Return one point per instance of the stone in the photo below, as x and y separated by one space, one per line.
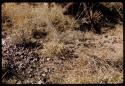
62 57
19 82
45 70
43 74
48 59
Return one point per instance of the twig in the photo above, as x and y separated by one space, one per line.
5 74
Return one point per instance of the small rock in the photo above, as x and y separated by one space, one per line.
39 82
3 42
48 59
21 56
30 75
45 70
43 74
62 57
19 82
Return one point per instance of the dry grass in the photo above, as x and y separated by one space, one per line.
35 18
52 48
99 57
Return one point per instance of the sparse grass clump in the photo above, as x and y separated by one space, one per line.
51 49
60 21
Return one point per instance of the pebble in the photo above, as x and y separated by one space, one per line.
48 59
39 82
45 70
21 56
3 42
43 74
62 57
19 82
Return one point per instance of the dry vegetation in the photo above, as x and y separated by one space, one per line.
41 45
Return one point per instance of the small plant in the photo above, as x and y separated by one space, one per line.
52 48
95 15
59 21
